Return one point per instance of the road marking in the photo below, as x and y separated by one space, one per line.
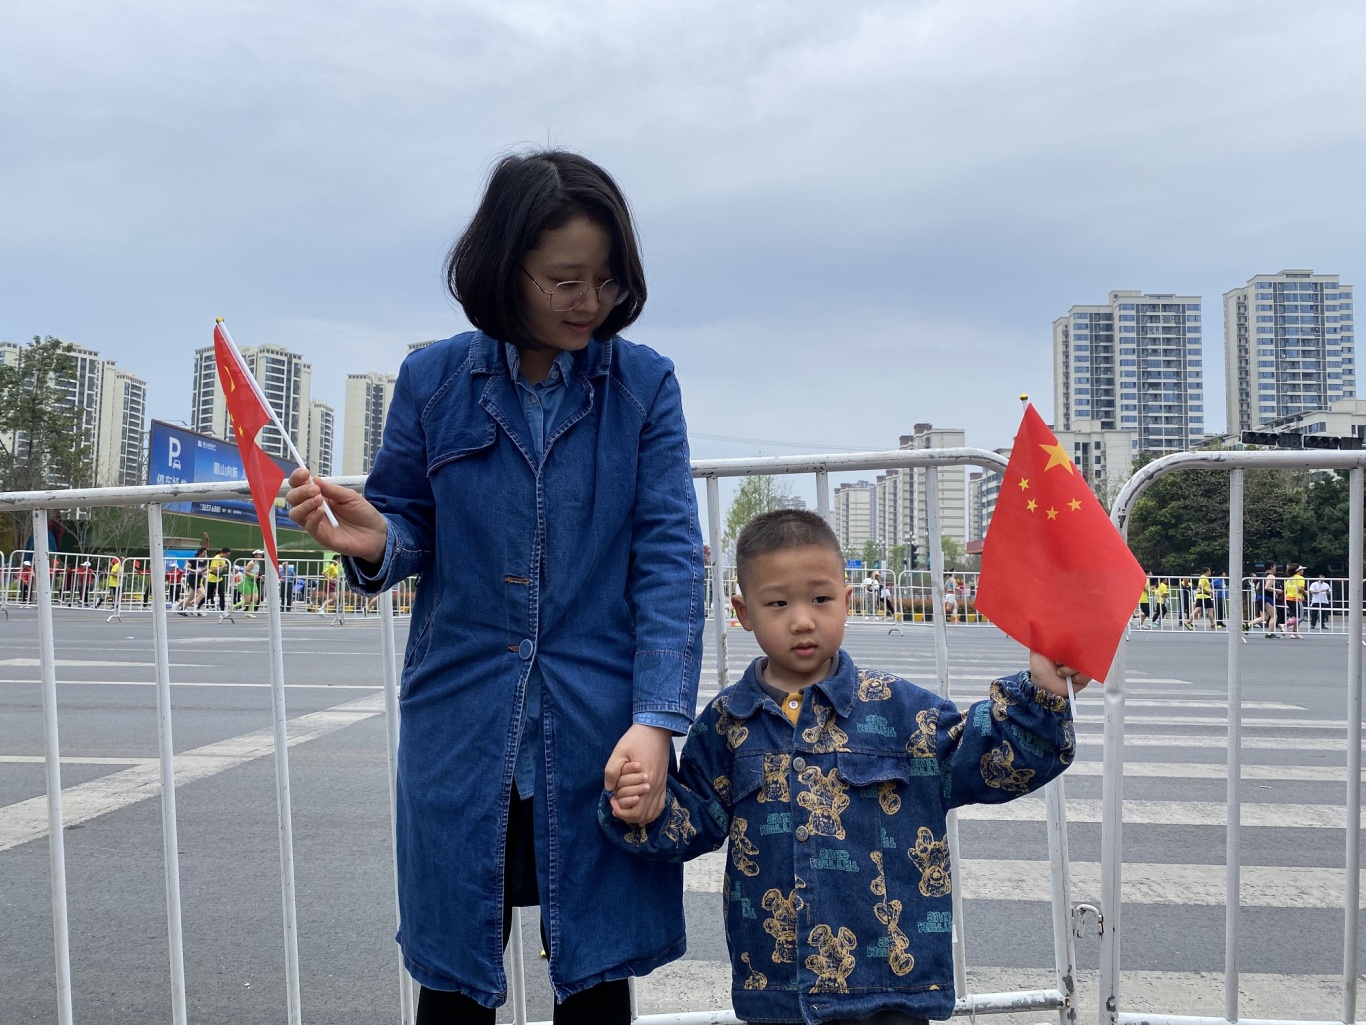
699 985
1209 720
27 820
982 879
1168 813
74 760
1220 742
198 683
1216 770
75 663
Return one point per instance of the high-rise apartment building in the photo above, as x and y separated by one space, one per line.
953 520
366 410
855 516
1135 363
984 489
321 431
1105 458
1289 346
120 431
285 380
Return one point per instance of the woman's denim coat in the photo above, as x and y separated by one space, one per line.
588 564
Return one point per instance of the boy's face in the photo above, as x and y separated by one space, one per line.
795 601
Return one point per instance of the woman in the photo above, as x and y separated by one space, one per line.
535 473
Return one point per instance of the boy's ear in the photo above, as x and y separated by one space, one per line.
737 602
848 597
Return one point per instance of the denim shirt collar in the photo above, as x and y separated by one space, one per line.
486 357
838 688
564 363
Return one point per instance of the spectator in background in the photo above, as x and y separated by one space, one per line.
1320 594
287 579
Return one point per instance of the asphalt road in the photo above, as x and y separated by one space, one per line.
1293 792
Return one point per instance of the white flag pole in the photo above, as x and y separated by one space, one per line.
256 387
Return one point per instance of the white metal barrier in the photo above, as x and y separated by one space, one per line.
1235 464
1060 998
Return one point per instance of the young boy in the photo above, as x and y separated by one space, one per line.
832 784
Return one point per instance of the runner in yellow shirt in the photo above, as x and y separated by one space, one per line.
1204 599
215 580
331 581
1294 599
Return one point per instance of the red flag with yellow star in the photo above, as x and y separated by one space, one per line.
1056 574
249 412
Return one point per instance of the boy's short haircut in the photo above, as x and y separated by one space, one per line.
779 530
527 195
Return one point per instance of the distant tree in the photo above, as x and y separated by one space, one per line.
896 559
869 554
40 429
756 495
953 552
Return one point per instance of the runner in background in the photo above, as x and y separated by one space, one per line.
192 603
217 578
331 575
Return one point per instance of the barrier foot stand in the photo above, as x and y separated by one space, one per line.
226 617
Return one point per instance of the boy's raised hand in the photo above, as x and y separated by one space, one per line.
1053 677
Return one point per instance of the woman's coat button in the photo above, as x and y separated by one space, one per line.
526 649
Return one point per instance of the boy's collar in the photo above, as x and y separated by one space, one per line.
838 688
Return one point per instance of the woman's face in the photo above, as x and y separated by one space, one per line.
578 251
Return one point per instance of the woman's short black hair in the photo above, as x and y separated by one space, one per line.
527 195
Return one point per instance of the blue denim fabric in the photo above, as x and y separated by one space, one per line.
837 890
585 561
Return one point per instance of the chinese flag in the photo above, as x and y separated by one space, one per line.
249 415
1056 575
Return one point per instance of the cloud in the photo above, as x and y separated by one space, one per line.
855 217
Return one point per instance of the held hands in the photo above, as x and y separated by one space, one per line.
636 772
1052 677
361 531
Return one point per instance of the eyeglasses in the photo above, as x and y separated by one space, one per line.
569 295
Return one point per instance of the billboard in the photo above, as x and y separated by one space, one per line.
179 456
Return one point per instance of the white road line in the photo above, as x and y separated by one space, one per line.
1168 813
198 683
27 820
982 879
1220 742
697 984
1209 720
75 663
1217 770
74 760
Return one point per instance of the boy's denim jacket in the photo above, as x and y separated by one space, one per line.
837 888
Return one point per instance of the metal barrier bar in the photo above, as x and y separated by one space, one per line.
1111 801
1234 828
389 649
47 658
718 597
170 839
935 528
282 799
1060 893
1111 834
1352 896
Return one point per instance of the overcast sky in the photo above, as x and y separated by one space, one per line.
856 216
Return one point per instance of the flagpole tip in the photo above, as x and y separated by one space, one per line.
1024 396
218 320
